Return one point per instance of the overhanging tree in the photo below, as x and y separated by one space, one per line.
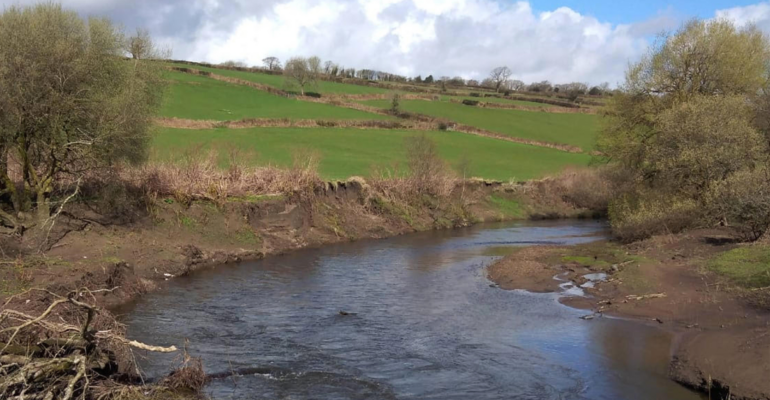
70 104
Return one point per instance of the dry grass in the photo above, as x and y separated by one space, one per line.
573 192
201 179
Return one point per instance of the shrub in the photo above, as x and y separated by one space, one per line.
742 201
395 104
474 94
313 94
442 126
637 216
590 189
470 102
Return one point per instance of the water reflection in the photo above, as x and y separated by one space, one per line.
423 324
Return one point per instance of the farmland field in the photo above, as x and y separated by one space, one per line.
197 97
349 152
278 81
573 129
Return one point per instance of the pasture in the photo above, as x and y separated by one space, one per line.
348 152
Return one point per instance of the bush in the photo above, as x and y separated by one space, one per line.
637 216
474 94
470 102
442 126
313 94
742 201
589 189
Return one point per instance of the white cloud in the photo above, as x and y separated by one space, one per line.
457 37
410 37
757 14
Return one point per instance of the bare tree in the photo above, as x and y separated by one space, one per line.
517 85
499 76
272 63
328 67
142 47
301 72
314 65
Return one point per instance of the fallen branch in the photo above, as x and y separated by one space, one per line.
646 296
69 356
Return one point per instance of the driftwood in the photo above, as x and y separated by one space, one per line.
62 351
646 296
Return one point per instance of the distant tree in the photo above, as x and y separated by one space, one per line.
142 47
457 81
233 64
595 91
300 72
543 86
604 87
418 79
314 66
472 82
429 79
517 85
272 63
500 75
328 66
70 105
488 83
395 103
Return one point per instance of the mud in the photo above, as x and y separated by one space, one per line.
722 339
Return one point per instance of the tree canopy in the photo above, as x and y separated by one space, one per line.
70 103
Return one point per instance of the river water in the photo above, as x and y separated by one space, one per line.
423 323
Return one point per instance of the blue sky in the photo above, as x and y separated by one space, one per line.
629 11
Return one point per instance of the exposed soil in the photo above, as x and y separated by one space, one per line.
722 341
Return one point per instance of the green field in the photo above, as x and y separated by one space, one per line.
349 152
197 97
278 81
573 129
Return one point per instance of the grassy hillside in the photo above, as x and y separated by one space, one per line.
348 152
277 81
197 97
573 129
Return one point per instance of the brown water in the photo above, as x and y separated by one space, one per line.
424 324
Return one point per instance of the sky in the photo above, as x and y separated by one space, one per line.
557 40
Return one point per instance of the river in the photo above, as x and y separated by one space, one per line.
423 323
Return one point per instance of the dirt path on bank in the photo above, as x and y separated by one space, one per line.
722 343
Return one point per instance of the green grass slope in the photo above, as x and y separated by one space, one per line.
197 97
278 81
349 152
573 129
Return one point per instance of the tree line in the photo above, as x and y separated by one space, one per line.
499 78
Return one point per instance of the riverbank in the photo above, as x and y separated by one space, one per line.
171 238
670 282
143 242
